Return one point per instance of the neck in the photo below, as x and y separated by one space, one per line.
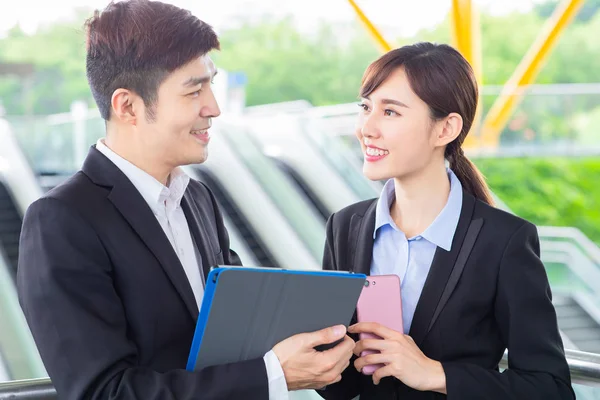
125 146
419 199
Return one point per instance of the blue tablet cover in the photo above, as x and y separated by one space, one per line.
246 311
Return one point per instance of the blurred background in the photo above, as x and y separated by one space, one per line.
283 154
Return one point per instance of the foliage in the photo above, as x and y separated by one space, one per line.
58 55
282 63
548 191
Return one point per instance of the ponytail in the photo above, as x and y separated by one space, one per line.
469 176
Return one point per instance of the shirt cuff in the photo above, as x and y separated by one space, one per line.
278 389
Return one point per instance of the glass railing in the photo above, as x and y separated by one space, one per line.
57 143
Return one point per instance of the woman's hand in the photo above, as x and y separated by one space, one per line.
401 356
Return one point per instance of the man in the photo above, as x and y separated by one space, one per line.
112 262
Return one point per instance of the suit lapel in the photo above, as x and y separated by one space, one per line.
134 209
197 228
439 273
360 240
461 261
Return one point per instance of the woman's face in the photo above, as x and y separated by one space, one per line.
397 134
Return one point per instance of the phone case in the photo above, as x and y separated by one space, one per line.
380 301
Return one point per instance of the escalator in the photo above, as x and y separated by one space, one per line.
10 228
303 186
248 234
282 140
19 357
267 210
577 322
339 157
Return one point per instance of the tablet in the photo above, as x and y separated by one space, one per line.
246 311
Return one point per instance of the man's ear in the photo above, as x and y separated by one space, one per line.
123 109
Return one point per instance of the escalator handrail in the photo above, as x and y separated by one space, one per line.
17 172
18 351
574 235
577 261
284 194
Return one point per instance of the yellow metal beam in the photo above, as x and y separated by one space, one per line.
466 38
527 72
379 39
466 33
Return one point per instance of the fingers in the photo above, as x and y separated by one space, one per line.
372 359
374 327
342 351
341 363
382 373
324 336
372 344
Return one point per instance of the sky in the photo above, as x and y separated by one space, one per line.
395 17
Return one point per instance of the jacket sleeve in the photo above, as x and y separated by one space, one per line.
537 368
78 322
349 387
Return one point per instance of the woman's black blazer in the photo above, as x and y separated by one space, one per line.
488 293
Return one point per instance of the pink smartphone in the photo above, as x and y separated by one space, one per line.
380 301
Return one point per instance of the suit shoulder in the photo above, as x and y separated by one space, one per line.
360 208
72 188
502 220
201 193
76 194
199 187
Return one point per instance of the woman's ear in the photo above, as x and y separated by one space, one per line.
449 129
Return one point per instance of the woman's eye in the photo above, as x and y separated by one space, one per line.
390 113
364 106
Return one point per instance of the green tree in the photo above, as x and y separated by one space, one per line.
283 64
58 54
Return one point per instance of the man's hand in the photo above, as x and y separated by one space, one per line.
306 368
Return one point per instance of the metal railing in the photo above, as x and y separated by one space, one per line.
584 367
28 389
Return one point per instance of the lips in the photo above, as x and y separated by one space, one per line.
202 135
373 154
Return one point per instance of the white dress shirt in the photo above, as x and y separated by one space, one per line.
165 203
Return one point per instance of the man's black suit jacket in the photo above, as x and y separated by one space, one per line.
107 299
488 293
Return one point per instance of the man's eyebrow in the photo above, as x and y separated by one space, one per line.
197 80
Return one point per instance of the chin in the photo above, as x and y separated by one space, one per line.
375 174
196 158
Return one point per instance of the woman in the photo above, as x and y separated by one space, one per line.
472 282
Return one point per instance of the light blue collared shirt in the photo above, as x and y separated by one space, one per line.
411 258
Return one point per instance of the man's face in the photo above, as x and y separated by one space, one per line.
182 115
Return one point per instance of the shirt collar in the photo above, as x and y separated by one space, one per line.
442 229
154 193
